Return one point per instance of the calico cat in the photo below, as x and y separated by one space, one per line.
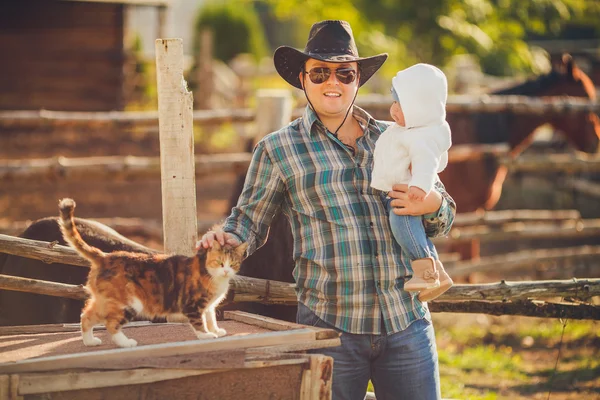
123 285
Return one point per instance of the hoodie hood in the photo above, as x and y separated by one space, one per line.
422 90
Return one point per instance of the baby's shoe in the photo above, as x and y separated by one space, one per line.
445 284
425 275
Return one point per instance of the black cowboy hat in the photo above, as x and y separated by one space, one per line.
329 41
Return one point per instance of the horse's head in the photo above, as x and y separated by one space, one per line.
565 79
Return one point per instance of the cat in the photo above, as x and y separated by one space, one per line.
123 285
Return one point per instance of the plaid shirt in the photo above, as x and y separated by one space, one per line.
348 268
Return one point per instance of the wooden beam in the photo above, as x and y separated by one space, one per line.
113 167
506 216
525 260
527 308
526 230
176 127
43 251
92 359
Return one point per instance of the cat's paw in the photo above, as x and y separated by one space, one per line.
93 341
128 343
206 335
220 332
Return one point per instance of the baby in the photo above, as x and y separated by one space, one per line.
412 151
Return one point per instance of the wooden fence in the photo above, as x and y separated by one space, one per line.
504 298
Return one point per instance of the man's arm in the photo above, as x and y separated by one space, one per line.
261 198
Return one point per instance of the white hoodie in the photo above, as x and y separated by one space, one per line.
424 142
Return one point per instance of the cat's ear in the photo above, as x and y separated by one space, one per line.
241 249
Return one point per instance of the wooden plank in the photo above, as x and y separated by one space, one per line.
507 216
44 251
275 324
89 360
320 344
59 382
14 388
29 285
4 386
525 260
175 108
69 381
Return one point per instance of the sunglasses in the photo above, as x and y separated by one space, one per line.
319 75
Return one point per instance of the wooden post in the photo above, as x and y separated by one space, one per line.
274 111
204 71
175 121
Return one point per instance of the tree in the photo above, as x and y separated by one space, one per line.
495 31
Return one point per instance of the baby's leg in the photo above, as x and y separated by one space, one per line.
409 232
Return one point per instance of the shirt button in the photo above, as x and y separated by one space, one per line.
358 165
371 224
362 192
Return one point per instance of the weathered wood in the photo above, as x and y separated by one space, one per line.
507 216
527 308
526 230
113 167
579 289
583 186
4 386
44 251
316 381
37 286
137 118
58 382
582 289
497 103
275 324
552 164
38 383
92 359
525 260
274 111
178 183
465 152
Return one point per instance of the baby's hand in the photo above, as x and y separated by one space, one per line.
415 193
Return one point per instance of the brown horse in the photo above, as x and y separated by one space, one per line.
477 184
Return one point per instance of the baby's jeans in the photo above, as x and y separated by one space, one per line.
409 233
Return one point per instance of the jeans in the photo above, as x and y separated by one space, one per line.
409 233
403 365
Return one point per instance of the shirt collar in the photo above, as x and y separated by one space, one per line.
309 119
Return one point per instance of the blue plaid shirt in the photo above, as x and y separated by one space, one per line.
348 268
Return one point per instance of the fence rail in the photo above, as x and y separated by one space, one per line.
133 167
272 292
457 103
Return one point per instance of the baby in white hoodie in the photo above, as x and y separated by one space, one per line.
412 151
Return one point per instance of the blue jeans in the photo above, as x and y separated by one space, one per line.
409 233
403 365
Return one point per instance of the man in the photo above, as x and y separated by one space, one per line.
349 271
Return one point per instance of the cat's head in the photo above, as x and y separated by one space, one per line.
224 261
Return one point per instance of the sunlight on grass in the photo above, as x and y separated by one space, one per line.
499 361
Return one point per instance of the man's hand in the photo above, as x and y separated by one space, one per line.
220 236
403 205
416 193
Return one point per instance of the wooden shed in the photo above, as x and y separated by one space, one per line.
66 55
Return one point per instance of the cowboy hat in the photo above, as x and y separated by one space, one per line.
329 41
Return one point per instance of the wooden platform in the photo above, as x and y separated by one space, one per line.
257 359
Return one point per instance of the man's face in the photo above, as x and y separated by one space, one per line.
332 97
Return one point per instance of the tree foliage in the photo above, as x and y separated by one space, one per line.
237 27
494 31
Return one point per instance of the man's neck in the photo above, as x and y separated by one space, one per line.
334 124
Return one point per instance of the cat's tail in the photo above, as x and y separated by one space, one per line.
71 234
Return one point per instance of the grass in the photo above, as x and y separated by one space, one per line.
488 358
